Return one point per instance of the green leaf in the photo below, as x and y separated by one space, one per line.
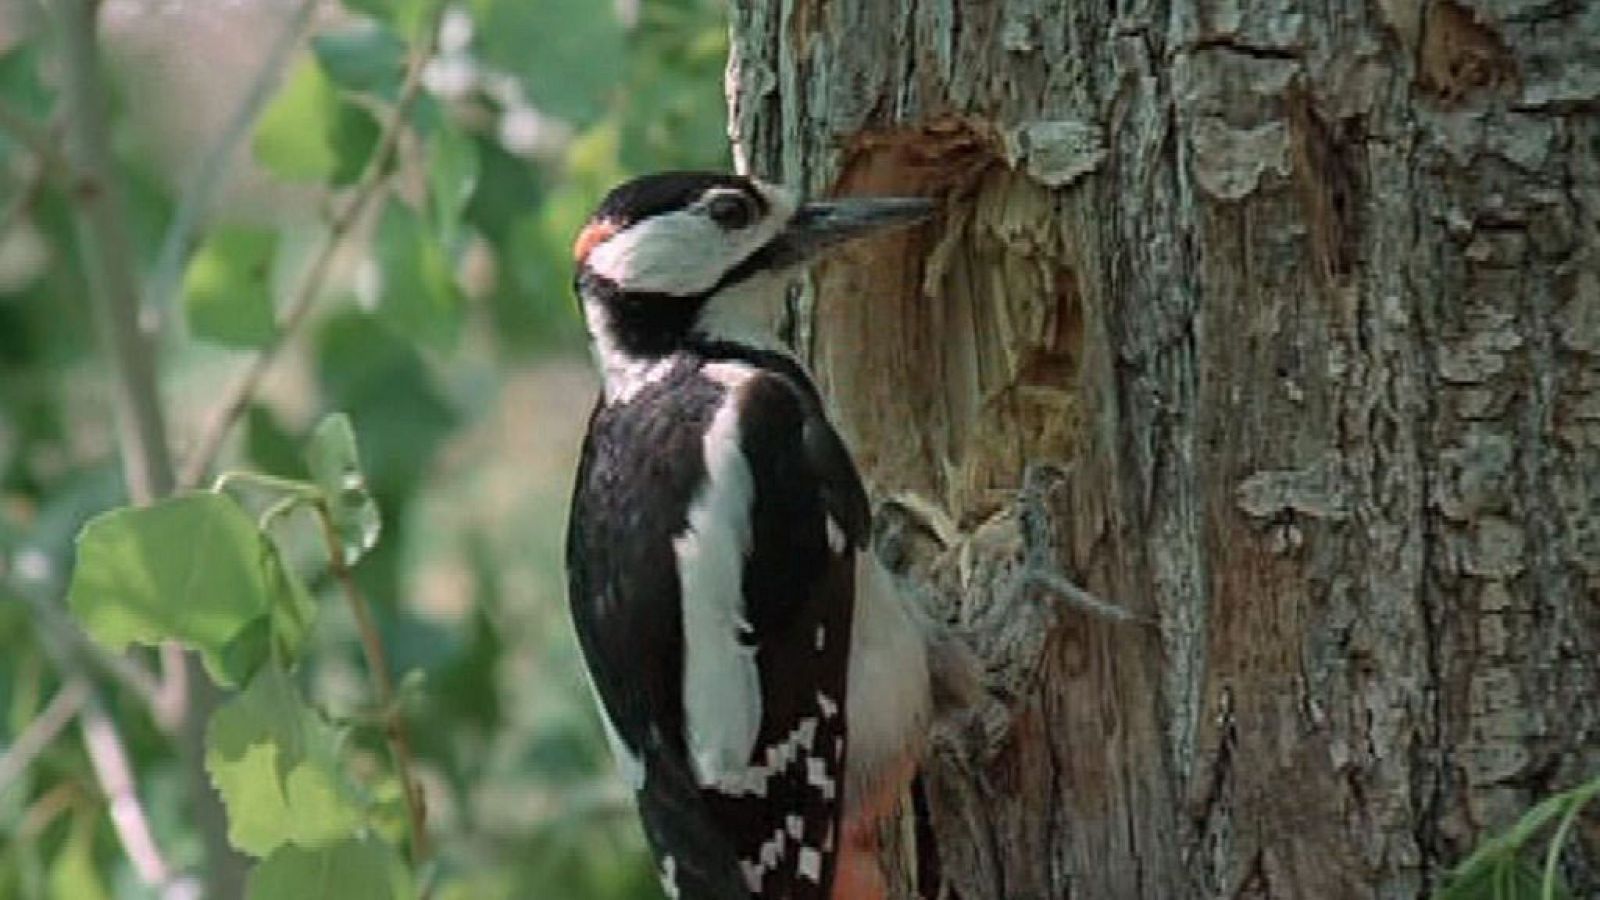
418 296
270 447
335 465
580 58
1496 870
275 761
227 292
1577 798
368 57
355 869
1535 819
1505 877
507 191
311 133
193 568
532 303
392 396
452 178
673 114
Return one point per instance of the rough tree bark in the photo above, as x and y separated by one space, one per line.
1293 309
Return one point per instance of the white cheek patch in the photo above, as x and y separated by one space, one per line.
679 253
683 253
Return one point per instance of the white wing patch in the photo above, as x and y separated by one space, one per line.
721 684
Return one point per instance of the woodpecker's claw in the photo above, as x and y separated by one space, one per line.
993 595
1051 582
917 540
1040 567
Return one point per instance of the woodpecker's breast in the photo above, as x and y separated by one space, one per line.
715 610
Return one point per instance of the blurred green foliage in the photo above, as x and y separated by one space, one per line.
431 337
1500 868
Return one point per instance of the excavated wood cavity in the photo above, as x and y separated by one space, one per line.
983 361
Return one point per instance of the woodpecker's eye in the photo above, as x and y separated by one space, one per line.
731 211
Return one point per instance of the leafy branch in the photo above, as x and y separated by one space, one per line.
272 618
202 189
310 287
348 522
198 569
394 725
108 258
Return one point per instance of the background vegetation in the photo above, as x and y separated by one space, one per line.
362 210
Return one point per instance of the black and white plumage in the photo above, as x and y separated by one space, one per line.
756 674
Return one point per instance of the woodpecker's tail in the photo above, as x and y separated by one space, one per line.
693 859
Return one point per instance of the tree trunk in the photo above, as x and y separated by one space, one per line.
1292 311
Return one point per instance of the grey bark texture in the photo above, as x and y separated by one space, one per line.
1276 323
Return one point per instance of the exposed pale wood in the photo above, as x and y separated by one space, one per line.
1305 301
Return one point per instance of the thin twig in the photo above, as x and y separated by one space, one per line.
77 652
41 813
109 758
277 484
383 687
109 260
110 761
43 730
309 289
198 193
173 705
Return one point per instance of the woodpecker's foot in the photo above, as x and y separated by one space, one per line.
910 533
993 595
914 537
1040 569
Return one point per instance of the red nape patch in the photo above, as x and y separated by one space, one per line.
592 235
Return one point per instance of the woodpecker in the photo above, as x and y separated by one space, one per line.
763 685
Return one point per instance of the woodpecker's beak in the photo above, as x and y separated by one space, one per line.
825 223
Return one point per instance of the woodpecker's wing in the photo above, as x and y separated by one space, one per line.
710 560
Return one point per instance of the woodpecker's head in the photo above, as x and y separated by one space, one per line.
675 256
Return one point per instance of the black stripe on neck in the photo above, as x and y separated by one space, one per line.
644 325
760 357
652 324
